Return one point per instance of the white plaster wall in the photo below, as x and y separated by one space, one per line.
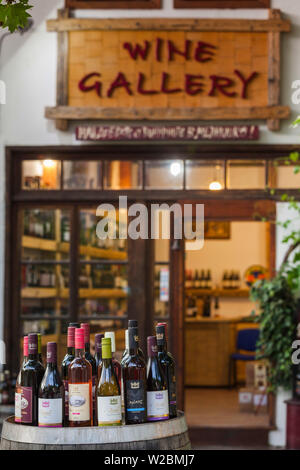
28 67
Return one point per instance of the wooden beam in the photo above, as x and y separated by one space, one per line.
168 24
62 71
274 70
108 4
204 114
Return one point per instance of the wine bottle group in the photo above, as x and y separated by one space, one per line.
96 390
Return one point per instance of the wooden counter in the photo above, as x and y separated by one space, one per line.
209 342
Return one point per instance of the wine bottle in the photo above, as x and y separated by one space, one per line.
31 377
134 382
40 348
51 393
126 350
134 324
89 357
80 386
18 393
116 364
108 391
167 362
157 389
98 353
65 369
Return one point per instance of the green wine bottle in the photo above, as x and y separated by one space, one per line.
108 391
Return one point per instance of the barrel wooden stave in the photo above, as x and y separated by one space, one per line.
173 435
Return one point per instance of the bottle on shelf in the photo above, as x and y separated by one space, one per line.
157 389
18 393
51 393
31 376
206 307
225 280
202 279
98 353
115 362
80 386
209 280
134 382
191 309
90 358
69 357
108 391
197 280
167 363
238 280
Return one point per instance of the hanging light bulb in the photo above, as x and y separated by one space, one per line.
48 163
175 168
215 185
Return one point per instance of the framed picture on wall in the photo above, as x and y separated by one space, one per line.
216 230
222 3
113 4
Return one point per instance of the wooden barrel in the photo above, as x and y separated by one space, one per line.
164 435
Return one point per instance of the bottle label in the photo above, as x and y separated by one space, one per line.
50 412
26 404
79 402
109 411
18 410
135 397
66 387
157 405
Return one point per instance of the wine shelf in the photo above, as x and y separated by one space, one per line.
64 247
219 292
47 293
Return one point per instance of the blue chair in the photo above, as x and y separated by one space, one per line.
246 341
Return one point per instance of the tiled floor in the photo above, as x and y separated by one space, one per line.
218 408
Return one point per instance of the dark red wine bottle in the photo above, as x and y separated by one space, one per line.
31 377
157 388
167 362
90 358
134 324
80 386
65 369
51 393
134 382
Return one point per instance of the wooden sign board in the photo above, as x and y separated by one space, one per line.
179 133
162 69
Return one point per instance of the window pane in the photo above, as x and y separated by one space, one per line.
41 174
95 247
122 175
204 174
282 176
246 174
43 232
166 174
81 175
